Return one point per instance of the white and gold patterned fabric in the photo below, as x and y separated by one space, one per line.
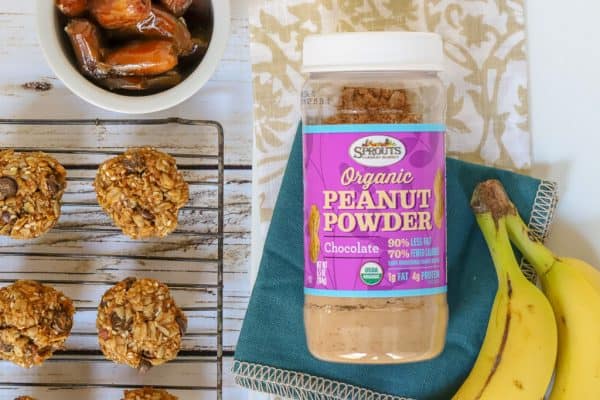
486 76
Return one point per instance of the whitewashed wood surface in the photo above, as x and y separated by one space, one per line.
227 98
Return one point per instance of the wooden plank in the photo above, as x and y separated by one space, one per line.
44 251
80 370
109 270
52 393
229 393
176 247
99 140
55 380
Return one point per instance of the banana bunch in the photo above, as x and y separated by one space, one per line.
519 350
520 364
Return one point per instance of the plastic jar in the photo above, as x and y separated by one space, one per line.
374 178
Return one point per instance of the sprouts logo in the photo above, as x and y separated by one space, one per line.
377 151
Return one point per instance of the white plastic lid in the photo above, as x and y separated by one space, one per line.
373 51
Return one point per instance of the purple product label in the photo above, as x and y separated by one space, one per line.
374 210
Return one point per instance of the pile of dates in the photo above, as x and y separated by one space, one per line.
131 44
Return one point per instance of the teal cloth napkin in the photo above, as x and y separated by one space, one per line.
272 356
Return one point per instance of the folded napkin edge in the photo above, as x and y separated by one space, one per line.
542 214
543 209
292 384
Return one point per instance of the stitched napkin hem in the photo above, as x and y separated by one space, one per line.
297 385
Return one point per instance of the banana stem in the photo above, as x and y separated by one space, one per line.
496 236
490 197
535 252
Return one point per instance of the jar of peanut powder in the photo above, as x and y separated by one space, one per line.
374 179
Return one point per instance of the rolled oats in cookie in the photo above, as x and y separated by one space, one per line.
139 324
31 188
148 394
35 321
142 191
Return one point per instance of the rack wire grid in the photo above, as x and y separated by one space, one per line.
85 254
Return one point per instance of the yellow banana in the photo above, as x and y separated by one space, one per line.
573 288
519 350
590 273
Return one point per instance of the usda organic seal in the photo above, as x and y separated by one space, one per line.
371 273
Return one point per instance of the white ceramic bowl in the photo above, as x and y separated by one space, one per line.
51 39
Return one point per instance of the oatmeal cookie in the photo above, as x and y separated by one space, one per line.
142 191
148 394
139 324
35 321
31 187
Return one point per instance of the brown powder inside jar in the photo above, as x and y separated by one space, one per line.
410 328
359 105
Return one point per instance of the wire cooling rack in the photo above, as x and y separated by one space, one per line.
85 254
